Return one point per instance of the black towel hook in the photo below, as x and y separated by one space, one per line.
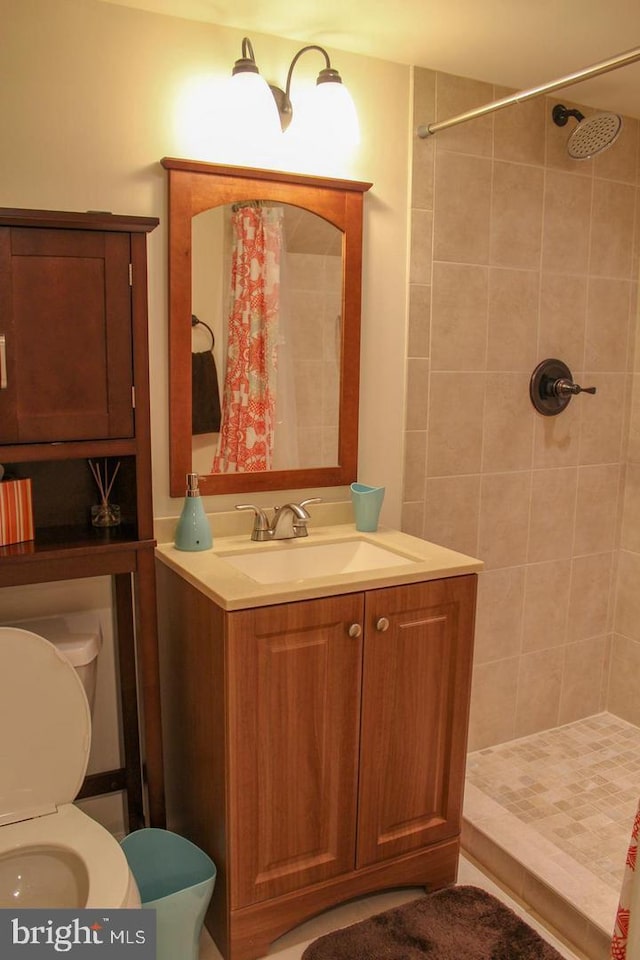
195 322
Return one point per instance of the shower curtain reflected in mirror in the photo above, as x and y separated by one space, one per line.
247 429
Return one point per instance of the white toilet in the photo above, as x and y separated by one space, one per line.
52 855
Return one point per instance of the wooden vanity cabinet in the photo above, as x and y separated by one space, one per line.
315 749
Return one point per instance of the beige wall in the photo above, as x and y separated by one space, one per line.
92 96
89 96
518 254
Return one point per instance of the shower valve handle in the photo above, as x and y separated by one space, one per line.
566 388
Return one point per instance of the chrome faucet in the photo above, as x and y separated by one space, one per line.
289 521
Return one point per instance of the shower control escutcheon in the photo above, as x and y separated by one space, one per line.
551 387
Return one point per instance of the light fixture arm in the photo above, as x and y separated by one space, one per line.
247 63
283 97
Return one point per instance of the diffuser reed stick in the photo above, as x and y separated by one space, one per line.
104 514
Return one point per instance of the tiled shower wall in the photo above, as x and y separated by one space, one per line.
519 253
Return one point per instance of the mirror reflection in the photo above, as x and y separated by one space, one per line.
266 297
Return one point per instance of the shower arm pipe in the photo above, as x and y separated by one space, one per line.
604 66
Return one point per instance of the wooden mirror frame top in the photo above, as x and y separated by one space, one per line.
195 186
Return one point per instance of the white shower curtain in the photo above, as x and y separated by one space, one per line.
625 943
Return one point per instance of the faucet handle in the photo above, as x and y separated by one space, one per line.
261 523
303 503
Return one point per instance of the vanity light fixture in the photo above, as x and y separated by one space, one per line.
330 109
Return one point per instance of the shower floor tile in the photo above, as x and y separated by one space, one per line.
560 804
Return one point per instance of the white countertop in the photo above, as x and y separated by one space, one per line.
208 571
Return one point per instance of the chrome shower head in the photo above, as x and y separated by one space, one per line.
592 135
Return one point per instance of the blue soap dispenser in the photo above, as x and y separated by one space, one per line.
193 531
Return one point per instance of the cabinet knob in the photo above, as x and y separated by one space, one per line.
382 624
355 630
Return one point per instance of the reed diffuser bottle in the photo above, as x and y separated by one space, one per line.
193 531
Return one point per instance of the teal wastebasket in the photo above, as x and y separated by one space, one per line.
176 879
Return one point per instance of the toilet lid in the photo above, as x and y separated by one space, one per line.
45 727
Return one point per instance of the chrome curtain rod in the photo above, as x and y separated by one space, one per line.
613 63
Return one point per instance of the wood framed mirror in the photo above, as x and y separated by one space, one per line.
312 344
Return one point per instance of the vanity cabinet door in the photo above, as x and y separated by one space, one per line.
416 685
65 334
294 676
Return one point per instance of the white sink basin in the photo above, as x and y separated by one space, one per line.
294 561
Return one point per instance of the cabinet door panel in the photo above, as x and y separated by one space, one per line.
416 681
294 699
68 339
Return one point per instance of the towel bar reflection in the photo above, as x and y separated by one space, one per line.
3 362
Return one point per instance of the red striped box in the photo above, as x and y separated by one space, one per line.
16 513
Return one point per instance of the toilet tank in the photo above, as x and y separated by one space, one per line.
78 637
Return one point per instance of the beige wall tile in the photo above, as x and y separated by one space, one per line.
527 262
596 509
608 325
519 133
623 697
462 206
619 162
415 458
612 229
421 246
493 703
499 614
516 215
582 679
539 686
452 511
606 668
553 500
546 604
567 206
602 416
508 423
630 533
459 317
633 446
563 309
456 95
455 423
513 319
424 95
557 439
417 394
412 519
504 514
627 612
589 597
424 111
419 320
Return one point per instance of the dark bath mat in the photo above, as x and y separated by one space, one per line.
458 923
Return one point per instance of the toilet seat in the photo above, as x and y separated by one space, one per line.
45 738
45 727
72 832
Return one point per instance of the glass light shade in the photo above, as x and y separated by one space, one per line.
334 113
250 112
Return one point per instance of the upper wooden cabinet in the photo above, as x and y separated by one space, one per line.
65 327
